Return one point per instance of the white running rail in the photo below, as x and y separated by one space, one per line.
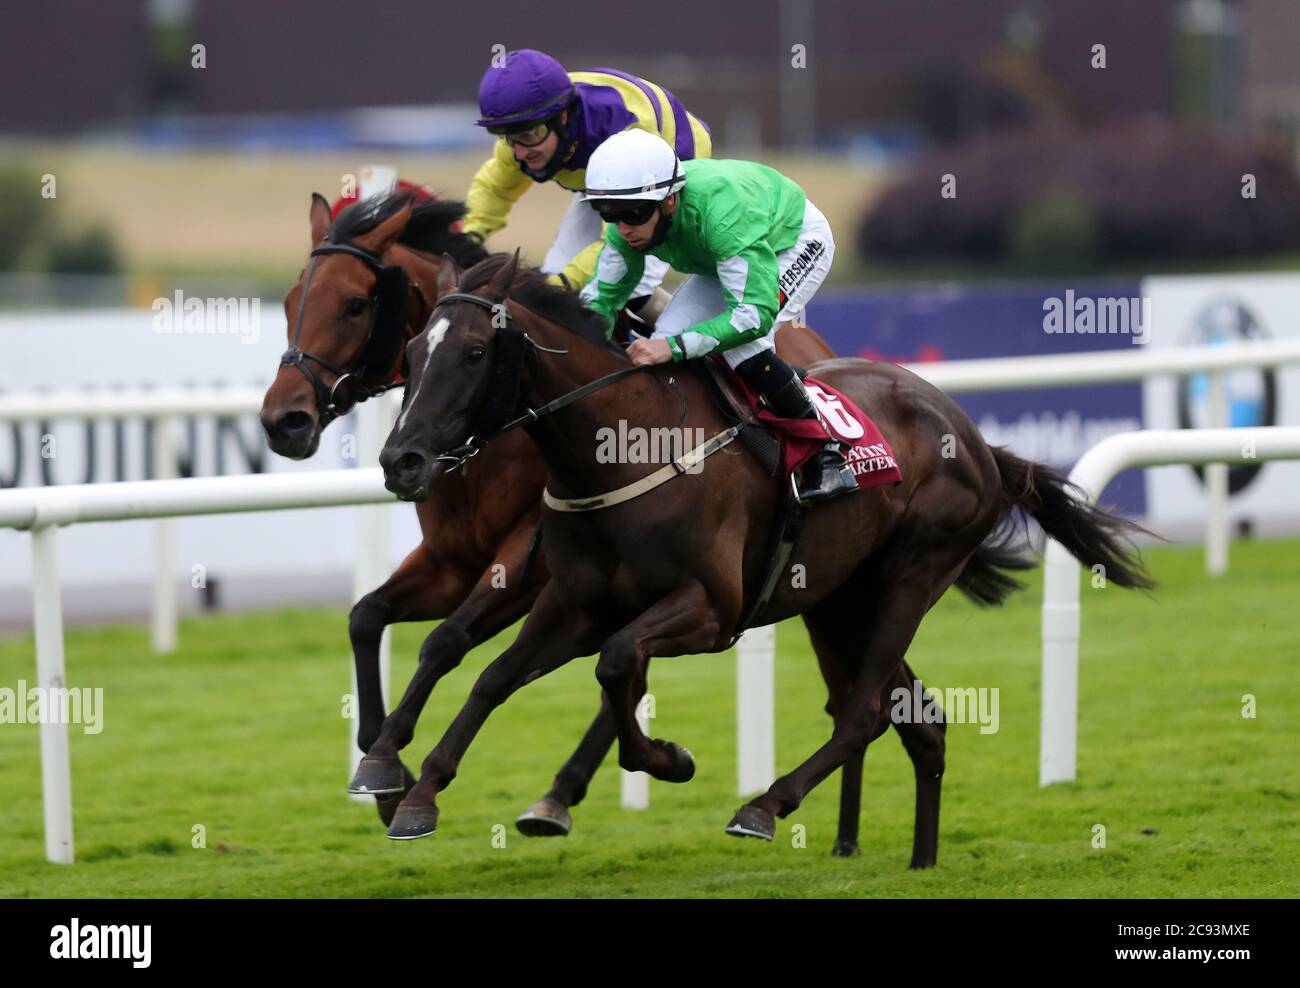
1061 612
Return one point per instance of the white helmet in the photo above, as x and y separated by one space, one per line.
633 164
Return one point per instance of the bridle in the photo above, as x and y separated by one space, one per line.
503 394
378 350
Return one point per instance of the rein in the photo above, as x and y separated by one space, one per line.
387 322
486 431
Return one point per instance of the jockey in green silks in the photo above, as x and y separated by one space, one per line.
756 251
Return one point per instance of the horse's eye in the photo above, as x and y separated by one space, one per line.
356 305
475 353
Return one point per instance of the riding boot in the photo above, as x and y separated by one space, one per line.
827 474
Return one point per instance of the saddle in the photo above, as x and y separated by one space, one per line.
782 446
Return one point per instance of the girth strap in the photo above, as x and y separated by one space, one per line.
788 527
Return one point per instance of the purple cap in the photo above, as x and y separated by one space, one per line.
529 86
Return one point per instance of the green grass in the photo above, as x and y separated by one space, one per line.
240 731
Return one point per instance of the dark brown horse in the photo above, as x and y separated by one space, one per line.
478 524
670 572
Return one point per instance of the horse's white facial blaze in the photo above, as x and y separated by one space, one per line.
433 335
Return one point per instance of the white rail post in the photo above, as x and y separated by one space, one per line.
1216 485
636 785
163 616
373 421
756 710
371 566
56 769
1058 723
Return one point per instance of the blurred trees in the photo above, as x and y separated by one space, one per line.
33 234
1073 198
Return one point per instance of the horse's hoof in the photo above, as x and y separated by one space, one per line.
683 769
379 777
846 849
750 821
387 803
545 818
410 822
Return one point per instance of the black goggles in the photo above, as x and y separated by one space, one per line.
526 135
633 212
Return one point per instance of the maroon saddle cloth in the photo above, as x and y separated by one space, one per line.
869 454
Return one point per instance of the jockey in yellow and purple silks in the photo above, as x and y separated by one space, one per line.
550 121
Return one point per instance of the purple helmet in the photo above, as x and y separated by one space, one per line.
530 86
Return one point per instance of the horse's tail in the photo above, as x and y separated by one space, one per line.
986 580
1091 534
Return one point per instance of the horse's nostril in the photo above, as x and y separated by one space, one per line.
294 424
410 463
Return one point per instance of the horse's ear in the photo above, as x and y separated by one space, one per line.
378 240
449 273
499 287
320 218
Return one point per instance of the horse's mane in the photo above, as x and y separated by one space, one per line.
531 290
429 228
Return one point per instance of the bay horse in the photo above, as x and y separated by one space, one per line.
476 566
669 572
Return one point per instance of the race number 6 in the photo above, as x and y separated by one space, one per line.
832 410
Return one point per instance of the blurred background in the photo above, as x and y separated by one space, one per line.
169 172
1096 146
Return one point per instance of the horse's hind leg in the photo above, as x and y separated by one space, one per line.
829 647
899 608
925 745
846 840
924 742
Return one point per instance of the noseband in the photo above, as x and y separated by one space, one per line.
383 336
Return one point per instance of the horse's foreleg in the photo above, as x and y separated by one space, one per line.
553 634
499 598
682 623
417 591
549 816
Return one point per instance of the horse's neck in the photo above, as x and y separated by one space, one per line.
571 438
422 269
